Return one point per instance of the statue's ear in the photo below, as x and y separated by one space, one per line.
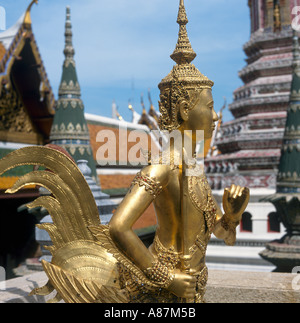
184 110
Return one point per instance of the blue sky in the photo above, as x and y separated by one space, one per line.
123 47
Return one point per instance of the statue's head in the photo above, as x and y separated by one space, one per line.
182 89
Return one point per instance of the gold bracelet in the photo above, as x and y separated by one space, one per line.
159 274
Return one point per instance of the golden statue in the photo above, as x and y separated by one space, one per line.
109 264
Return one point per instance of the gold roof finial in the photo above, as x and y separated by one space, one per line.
27 18
130 106
183 52
150 100
119 116
143 104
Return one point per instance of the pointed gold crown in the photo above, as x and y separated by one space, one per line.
184 78
183 55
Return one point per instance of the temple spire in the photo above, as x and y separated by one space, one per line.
69 128
69 75
69 49
289 168
183 53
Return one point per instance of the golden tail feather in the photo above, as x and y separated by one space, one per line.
81 270
65 171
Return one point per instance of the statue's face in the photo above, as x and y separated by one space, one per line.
203 116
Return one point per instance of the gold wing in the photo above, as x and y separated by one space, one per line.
81 270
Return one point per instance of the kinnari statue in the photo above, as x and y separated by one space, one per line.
109 263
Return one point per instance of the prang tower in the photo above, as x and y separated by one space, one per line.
248 147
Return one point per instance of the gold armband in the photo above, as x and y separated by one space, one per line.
159 274
152 186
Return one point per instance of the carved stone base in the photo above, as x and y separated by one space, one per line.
284 253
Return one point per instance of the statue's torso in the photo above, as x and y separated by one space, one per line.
170 223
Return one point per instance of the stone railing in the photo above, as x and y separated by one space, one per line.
223 287
247 287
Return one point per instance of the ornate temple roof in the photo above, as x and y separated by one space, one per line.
25 91
69 128
26 99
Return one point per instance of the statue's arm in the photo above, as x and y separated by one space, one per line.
146 186
235 201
